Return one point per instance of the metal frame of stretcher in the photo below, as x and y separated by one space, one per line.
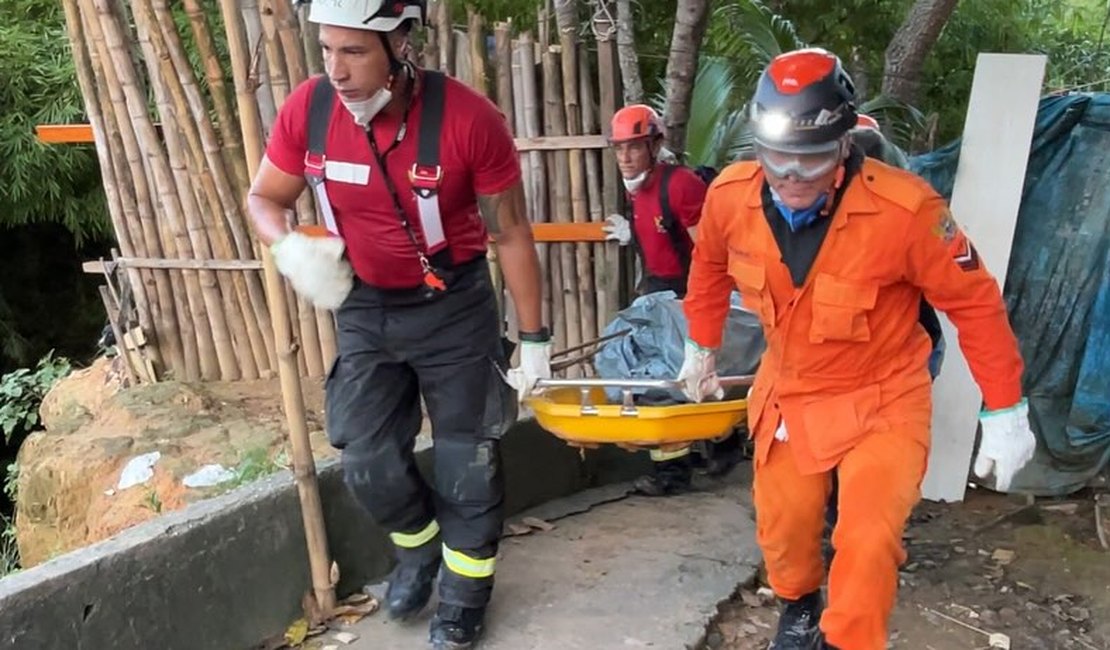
579 412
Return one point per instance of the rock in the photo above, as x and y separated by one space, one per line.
714 640
1008 615
69 480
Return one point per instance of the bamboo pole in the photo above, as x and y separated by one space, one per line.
221 102
175 326
304 466
280 14
608 92
429 51
476 36
124 219
529 107
445 34
554 118
464 72
258 63
310 38
273 88
502 38
230 238
602 281
180 203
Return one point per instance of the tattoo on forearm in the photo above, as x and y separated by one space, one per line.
503 210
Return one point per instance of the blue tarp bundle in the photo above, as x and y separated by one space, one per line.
1058 286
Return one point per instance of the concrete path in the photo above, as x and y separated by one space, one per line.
616 572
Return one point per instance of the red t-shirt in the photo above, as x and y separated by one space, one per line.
686 194
477 155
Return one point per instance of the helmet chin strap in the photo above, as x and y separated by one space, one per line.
838 181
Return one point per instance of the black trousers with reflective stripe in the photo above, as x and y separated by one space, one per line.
394 348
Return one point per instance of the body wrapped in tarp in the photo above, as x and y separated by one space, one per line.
1058 287
654 348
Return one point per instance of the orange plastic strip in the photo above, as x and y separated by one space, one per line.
64 133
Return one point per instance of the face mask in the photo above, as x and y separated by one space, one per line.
799 218
634 184
365 110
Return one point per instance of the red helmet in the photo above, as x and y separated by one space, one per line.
635 122
803 102
865 121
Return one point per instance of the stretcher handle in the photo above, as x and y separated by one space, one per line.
592 382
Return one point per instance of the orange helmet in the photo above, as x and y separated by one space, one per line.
635 122
867 122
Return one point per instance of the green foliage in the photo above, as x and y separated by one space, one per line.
38 86
21 393
9 551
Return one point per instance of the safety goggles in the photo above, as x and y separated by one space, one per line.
804 166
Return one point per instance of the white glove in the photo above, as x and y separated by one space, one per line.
780 434
315 267
535 364
617 229
1008 444
699 373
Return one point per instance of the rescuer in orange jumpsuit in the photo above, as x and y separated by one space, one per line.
834 252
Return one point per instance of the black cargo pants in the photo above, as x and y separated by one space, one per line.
395 347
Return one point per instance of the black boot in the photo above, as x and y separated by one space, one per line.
798 624
669 477
410 584
455 628
723 455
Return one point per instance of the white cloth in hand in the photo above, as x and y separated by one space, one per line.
780 434
699 373
617 229
315 267
1007 445
535 364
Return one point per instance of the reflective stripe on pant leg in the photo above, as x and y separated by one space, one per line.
659 456
413 540
466 566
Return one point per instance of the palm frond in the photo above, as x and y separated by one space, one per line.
899 121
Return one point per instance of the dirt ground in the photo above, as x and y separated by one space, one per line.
1036 573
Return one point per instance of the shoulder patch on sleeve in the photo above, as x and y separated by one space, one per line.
902 188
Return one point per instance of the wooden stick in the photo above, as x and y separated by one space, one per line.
278 15
181 350
258 63
112 312
603 284
218 358
476 36
246 317
554 119
304 465
464 71
429 51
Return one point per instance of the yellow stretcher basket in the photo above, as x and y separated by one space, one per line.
578 411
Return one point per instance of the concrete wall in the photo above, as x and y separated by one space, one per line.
230 571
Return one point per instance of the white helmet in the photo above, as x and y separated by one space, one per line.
373 15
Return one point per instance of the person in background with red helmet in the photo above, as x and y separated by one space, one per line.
834 252
666 201
410 193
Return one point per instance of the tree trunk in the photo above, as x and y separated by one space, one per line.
905 56
690 22
626 50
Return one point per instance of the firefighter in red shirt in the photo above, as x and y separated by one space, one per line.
410 193
666 204
834 252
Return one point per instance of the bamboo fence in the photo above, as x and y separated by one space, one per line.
174 137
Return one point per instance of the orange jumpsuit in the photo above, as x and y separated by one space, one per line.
845 371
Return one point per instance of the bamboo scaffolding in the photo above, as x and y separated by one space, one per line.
181 207
123 215
554 121
247 317
183 350
608 91
304 466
